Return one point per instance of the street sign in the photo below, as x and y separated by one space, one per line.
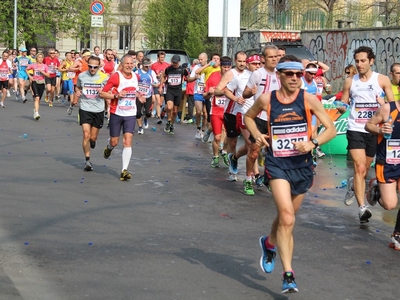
97 21
97 8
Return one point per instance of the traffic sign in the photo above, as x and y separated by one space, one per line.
97 8
97 21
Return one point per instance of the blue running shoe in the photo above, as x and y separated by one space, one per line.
289 285
233 164
267 261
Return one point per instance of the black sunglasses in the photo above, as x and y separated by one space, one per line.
313 74
348 73
93 67
290 74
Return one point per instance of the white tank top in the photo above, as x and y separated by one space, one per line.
127 105
363 105
231 106
237 85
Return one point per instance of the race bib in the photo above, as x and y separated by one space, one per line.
220 101
200 88
128 102
393 152
71 74
144 88
365 111
91 90
283 137
23 62
174 79
52 69
3 74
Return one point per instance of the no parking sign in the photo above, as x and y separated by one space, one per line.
97 8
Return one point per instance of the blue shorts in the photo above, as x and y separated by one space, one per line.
127 124
300 180
386 173
198 97
22 75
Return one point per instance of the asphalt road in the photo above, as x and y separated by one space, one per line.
177 230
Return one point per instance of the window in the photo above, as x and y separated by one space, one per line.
124 37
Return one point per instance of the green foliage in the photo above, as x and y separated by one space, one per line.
40 20
179 24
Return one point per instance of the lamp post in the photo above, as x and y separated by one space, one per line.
15 24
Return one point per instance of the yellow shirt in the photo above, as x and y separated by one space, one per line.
209 70
396 92
68 75
33 60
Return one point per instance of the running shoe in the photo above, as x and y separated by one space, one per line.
2 105
92 144
125 175
233 165
171 129
50 104
140 131
289 285
232 177
159 121
248 187
350 196
58 99
259 181
69 110
319 152
364 214
107 152
88 166
395 241
46 99
206 136
267 260
36 115
197 135
225 158
189 121
24 99
215 162
167 127
8 94
373 194
145 124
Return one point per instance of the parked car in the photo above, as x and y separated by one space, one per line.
294 48
152 54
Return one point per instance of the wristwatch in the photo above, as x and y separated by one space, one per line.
315 142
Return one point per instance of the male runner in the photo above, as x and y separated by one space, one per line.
288 160
91 110
53 64
159 67
5 70
174 75
122 90
366 89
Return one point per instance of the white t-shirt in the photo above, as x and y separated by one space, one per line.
237 86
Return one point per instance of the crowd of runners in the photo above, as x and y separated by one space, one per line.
271 99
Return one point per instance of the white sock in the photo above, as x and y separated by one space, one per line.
126 157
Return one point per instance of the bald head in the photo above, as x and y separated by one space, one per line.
203 58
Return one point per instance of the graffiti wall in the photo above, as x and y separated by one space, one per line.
335 48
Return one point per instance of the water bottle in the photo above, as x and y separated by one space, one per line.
212 63
388 136
340 104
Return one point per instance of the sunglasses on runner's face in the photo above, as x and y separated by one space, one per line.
290 74
348 73
93 67
312 74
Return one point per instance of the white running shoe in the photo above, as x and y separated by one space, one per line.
36 115
350 196
140 131
198 134
8 94
232 177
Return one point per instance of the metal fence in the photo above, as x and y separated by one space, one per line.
314 19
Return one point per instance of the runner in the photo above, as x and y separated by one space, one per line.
79 66
235 91
366 89
53 63
13 81
5 70
40 72
121 89
57 88
261 81
108 63
174 75
22 63
231 108
67 76
288 160
91 110
147 81
159 67
217 110
383 188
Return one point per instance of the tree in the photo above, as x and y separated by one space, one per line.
188 29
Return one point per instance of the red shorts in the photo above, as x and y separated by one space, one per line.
217 121
239 122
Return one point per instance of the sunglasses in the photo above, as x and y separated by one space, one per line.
290 74
258 64
52 53
348 73
312 74
93 67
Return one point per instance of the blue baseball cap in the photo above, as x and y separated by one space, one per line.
23 50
